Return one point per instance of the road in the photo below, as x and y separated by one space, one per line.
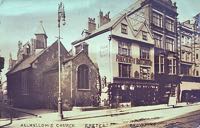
115 117
191 120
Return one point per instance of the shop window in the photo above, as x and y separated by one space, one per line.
144 53
136 74
124 70
124 29
83 77
172 66
124 48
157 19
158 41
145 73
170 24
169 44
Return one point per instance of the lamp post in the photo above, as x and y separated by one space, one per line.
61 18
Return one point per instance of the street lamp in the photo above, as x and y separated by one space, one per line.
61 18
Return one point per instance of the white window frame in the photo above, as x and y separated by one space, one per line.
172 65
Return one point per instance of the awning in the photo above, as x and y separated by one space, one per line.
190 86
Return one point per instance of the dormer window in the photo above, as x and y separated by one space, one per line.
124 29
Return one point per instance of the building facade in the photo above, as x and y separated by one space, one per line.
124 54
129 58
79 83
33 77
189 59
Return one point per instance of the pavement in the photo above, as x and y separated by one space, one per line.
104 118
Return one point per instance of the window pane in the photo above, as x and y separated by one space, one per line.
83 77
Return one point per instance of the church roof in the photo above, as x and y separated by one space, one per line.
24 64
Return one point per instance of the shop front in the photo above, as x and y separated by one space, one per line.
131 91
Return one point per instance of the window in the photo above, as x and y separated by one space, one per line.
145 73
157 19
158 41
170 25
197 73
169 44
83 77
124 70
124 48
183 55
28 49
144 35
24 83
124 29
161 63
197 56
144 53
188 56
172 66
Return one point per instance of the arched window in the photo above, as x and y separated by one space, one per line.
83 77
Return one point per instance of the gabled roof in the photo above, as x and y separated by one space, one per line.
27 63
71 58
110 25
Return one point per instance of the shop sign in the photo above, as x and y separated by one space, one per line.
129 59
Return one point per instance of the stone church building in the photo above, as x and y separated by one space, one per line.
33 77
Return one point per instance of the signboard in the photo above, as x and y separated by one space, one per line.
129 59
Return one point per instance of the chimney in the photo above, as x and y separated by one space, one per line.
103 19
91 25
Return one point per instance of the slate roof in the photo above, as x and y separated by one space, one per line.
108 26
26 63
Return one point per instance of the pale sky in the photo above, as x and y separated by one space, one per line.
20 18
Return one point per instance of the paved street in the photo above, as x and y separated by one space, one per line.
190 120
115 118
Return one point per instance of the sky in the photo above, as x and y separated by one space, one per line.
20 18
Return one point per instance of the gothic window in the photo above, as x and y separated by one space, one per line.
83 77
